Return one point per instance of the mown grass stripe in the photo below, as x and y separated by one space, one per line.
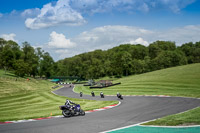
22 98
51 97
21 104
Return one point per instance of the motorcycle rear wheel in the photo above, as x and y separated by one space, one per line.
66 113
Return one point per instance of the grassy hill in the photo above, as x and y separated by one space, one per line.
176 81
23 99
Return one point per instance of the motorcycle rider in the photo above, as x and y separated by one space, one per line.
101 94
119 95
93 94
81 94
69 103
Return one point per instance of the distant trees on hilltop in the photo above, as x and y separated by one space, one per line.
119 61
129 59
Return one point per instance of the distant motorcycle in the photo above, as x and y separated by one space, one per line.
119 96
81 94
71 110
93 94
102 95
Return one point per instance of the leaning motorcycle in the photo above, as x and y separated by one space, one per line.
119 96
71 110
102 95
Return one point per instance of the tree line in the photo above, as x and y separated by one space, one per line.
26 60
119 61
129 59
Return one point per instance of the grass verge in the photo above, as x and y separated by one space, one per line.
22 99
183 119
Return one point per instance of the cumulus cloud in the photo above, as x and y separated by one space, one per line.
30 12
107 37
8 37
110 36
59 41
50 15
180 35
139 41
70 12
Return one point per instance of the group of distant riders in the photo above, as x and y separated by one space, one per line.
73 109
102 95
70 103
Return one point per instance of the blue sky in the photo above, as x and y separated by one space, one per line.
65 28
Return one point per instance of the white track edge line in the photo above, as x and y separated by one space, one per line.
139 124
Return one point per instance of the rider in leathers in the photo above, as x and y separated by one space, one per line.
69 103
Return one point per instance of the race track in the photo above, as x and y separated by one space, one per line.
132 110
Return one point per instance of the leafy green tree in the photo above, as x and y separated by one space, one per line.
8 58
47 65
2 44
30 57
157 47
139 51
21 68
192 51
9 52
138 66
126 63
169 59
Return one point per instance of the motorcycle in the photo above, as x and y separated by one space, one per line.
81 94
102 95
71 110
119 96
93 94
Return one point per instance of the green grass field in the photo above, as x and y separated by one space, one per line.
181 81
177 81
24 99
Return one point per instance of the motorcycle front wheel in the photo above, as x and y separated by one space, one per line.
82 112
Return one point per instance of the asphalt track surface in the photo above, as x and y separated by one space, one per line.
132 110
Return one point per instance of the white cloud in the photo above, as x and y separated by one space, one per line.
107 37
69 12
190 33
30 12
59 41
63 51
96 6
111 35
139 41
8 37
60 14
